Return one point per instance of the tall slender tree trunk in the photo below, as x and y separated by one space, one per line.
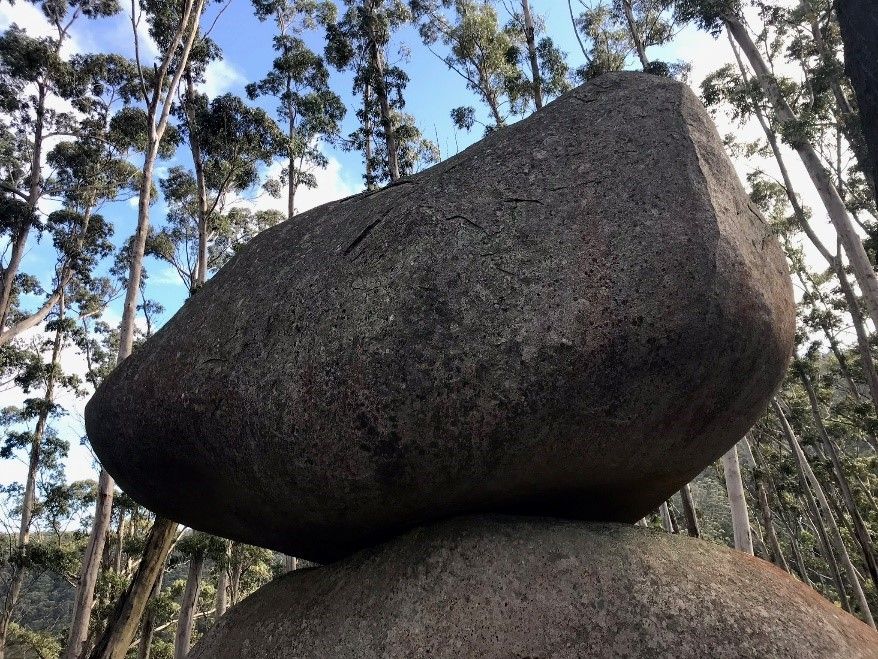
19 240
494 106
292 182
800 562
367 135
376 56
183 637
774 548
737 502
29 501
689 511
838 215
104 505
635 34
120 543
147 631
530 37
222 582
91 563
827 516
667 523
235 569
861 533
834 261
820 528
200 185
123 623
121 628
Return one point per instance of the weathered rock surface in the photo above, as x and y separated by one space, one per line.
530 587
572 317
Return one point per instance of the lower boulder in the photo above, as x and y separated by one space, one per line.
496 586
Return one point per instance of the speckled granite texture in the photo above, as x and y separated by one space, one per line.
572 317
496 587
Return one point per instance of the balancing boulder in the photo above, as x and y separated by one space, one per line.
532 587
572 317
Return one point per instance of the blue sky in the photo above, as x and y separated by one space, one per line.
247 55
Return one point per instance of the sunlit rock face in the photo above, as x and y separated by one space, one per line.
531 587
570 318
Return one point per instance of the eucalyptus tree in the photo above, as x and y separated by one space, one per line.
81 244
739 92
794 127
528 27
358 41
480 51
44 375
174 29
413 150
737 501
617 29
307 107
233 140
87 172
650 23
195 548
45 550
537 52
34 79
809 479
605 44
860 531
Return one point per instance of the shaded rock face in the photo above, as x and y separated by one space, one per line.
533 587
572 317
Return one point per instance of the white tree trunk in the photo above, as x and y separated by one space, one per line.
222 583
666 517
835 208
116 641
91 565
183 637
530 37
826 514
737 502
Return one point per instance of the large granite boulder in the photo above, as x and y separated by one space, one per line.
532 587
572 317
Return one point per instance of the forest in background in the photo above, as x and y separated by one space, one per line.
86 572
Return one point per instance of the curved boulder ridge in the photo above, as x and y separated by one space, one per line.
572 317
530 587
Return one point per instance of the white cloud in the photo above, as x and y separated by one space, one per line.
146 44
166 276
32 20
221 76
331 186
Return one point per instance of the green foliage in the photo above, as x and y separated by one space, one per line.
233 141
481 51
307 108
608 40
706 14
357 41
